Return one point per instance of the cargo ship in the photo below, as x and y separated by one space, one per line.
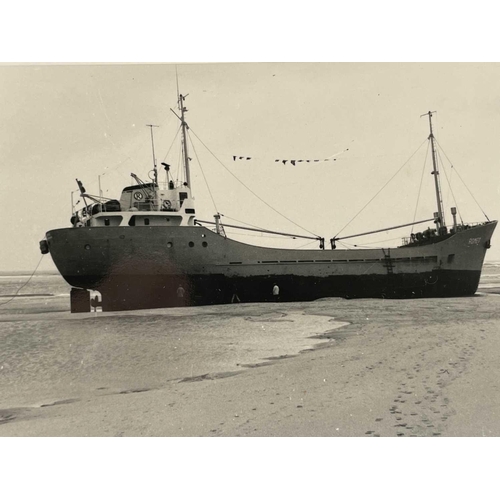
147 249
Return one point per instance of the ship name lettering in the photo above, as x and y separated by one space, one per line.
474 241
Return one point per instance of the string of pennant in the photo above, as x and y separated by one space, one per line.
293 162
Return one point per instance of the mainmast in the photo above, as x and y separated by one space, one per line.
185 127
435 173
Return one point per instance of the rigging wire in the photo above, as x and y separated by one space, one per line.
383 187
256 195
345 245
202 171
116 166
460 177
449 186
107 135
304 245
420 187
108 171
22 286
179 160
173 142
162 123
258 235
242 222
258 228
377 242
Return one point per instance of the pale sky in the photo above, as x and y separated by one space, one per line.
61 122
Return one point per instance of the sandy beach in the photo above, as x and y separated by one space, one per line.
333 367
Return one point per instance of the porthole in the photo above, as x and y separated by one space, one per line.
169 244
205 244
203 235
87 247
191 244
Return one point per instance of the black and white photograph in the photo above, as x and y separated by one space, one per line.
239 249
248 250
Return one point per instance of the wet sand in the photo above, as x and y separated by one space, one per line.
396 368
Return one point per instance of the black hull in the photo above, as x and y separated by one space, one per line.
146 292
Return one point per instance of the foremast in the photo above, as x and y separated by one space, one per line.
439 199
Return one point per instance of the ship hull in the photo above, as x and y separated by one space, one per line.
144 267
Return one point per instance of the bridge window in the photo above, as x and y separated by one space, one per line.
113 220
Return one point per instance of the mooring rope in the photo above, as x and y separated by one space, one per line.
22 286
